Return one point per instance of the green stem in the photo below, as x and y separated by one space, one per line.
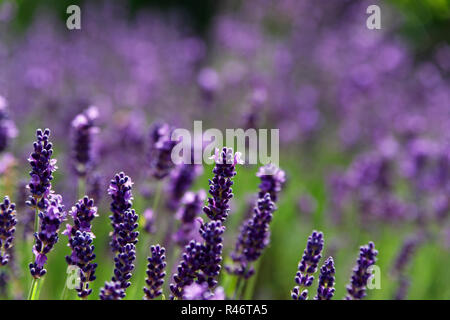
64 292
35 289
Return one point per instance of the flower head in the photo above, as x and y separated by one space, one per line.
220 186
254 237
8 130
197 291
325 290
308 265
83 130
161 151
272 181
356 290
42 168
8 223
155 272
192 203
51 218
112 291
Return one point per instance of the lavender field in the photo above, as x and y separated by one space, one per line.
93 206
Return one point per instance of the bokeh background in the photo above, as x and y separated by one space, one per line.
364 118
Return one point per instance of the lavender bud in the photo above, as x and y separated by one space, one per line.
254 237
197 291
80 241
155 272
272 181
212 252
82 130
325 290
220 186
120 192
51 217
367 257
8 224
161 151
308 265
191 206
181 179
8 130
112 291
42 168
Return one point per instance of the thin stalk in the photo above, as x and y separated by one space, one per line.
81 187
35 289
64 292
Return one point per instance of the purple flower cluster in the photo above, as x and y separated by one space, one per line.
80 241
197 291
112 291
356 290
161 151
8 224
253 239
220 186
7 128
272 181
42 168
191 206
181 179
83 130
308 266
50 217
122 197
325 290
155 272
200 261
126 240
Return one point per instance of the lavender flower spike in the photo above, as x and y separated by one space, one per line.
155 272
7 128
82 130
212 252
254 237
8 223
50 218
161 151
272 181
325 290
191 206
126 240
80 241
197 291
112 291
42 168
367 257
220 186
308 266
120 191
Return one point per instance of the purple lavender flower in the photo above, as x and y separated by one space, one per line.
51 217
325 290
220 186
42 168
367 257
191 206
308 266
403 288
253 239
120 192
80 241
155 272
126 241
112 291
181 179
188 269
149 218
197 291
83 256
8 130
161 150
82 130
406 253
272 181
212 252
7 229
